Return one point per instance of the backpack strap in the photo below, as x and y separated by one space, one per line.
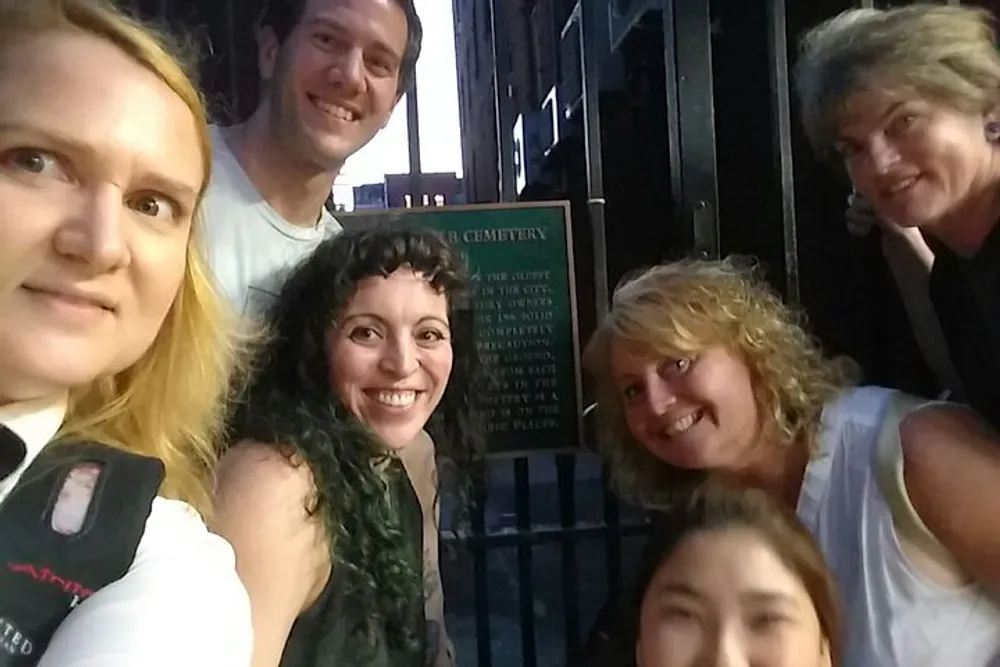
45 573
888 466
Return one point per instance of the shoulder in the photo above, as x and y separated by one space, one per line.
261 477
178 545
150 616
228 194
940 429
264 502
331 226
855 412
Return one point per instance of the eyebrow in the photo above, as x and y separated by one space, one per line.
64 143
891 109
328 21
382 320
752 595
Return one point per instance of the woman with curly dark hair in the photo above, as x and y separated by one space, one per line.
329 494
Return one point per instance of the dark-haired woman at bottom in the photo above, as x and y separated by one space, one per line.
321 493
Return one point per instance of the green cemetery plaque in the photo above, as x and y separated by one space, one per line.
522 258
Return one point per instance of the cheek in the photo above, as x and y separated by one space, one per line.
350 366
385 97
439 365
945 148
635 422
859 171
20 241
159 266
661 645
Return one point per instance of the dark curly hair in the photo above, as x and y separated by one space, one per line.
291 403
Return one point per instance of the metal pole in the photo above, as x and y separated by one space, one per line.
693 42
781 108
594 27
673 111
413 140
501 94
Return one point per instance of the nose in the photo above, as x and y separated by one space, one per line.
93 234
400 358
348 71
659 395
726 649
883 155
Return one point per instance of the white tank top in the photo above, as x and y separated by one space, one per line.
893 615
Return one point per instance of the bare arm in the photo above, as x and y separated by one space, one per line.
282 554
952 475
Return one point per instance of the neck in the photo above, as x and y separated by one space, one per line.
14 408
292 186
964 229
777 470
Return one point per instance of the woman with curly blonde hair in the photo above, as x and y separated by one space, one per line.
705 377
115 351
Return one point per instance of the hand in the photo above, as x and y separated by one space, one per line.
862 217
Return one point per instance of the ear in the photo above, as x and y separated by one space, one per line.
268 48
992 125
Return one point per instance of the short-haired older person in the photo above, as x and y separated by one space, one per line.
908 101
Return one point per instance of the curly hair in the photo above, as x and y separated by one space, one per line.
292 404
683 307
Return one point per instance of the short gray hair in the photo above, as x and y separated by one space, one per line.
941 52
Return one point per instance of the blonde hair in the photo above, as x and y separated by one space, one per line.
681 308
947 54
171 403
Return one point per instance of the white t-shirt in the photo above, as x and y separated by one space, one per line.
181 602
249 246
894 616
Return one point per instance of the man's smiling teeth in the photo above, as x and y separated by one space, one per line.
683 424
335 110
397 399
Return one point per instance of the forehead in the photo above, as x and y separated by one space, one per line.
85 91
868 107
380 21
403 294
724 563
626 355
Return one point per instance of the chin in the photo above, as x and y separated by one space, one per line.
398 439
60 377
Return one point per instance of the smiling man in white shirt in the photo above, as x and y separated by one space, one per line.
332 71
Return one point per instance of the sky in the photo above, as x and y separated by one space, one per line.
437 88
